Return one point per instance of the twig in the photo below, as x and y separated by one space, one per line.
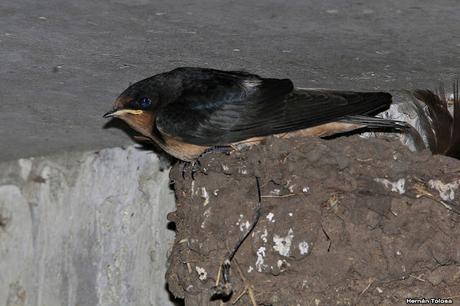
417 278
422 192
225 289
371 281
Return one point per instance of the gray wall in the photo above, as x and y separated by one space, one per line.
84 229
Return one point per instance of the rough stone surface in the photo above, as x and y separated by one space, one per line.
63 62
84 229
348 221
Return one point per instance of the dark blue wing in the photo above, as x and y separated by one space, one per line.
220 107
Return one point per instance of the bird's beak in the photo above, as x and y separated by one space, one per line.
121 112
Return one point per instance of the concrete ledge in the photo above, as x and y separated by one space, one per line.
84 229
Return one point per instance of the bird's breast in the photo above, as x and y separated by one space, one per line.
181 150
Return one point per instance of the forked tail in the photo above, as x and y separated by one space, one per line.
437 126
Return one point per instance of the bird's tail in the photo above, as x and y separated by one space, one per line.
454 149
377 122
436 125
454 143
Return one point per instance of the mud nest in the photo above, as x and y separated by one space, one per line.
343 222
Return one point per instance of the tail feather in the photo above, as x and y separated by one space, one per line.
436 120
454 148
436 124
423 124
377 122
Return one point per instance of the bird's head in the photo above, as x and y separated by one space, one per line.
137 106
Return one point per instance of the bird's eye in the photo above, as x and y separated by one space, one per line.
145 103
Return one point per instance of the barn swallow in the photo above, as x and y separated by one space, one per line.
187 111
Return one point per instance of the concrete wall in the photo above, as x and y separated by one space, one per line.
84 229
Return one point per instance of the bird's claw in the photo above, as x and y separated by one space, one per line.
194 166
218 149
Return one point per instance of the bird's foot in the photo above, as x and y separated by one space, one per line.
217 149
194 167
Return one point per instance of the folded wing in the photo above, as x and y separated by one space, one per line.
219 108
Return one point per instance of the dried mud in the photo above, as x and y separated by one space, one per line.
348 221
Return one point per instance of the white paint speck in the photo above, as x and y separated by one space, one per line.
250 269
270 217
305 189
290 214
280 263
446 191
397 186
304 247
260 259
244 225
264 235
215 192
398 253
206 215
202 274
283 244
205 196
379 290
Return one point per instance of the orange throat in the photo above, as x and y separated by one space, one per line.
142 123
